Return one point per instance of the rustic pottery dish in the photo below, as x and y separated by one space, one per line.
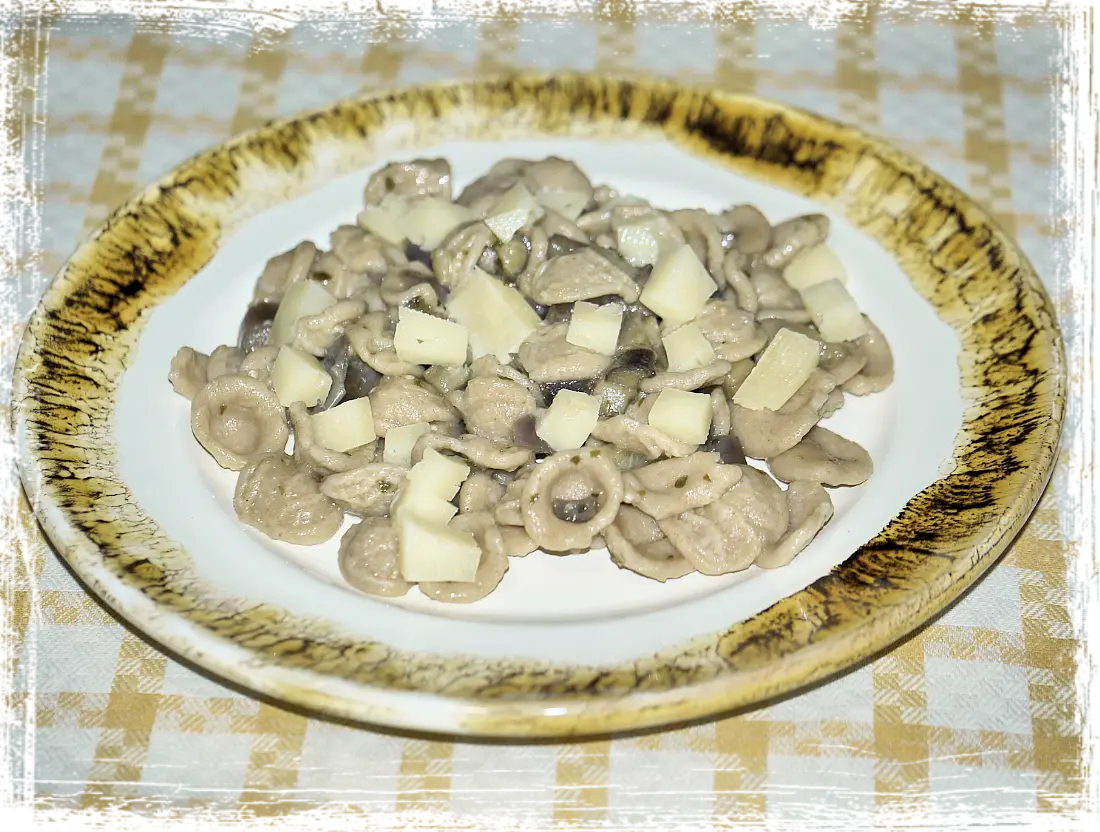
963 443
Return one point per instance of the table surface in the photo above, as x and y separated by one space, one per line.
975 715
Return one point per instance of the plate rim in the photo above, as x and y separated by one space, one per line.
547 716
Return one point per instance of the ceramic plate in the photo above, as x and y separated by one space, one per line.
963 442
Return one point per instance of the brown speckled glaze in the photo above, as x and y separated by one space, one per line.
87 327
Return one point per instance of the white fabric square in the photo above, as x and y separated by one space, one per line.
72 158
1054 189
979 790
209 766
304 91
1079 500
664 48
993 604
849 698
78 657
544 45
1065 262
426 21
809 788
165 150
651 787
419 73
63 759
54 577
207 29
791 46
981 696
1084 591
1028 53
180 680
955 171
1090 700
40 226
915 49
513 782
822 102
80 26
331 33
76 86
345 765
186 90
928 114
1029 117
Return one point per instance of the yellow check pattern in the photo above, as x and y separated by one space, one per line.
976 713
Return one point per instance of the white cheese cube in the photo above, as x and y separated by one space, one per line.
386 220
687 348
303 299
638 242
346 426
834 310
497 316
430 220
513 211
569 421
299 377
785 366
681 415
438 474
425 339
430 551
397 449
814 265
679 286
570 204
418 502
595 327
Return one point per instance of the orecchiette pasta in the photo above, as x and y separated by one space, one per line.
604 380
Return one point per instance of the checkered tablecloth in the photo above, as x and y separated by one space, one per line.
973 718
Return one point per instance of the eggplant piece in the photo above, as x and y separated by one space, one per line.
415 254
728 449
360 379
351 377
256 325
525 437
559 244
579 385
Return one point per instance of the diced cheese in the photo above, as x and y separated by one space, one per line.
430 220
386 220
439 474
346 426
814 265
570 204
512 212
397 449
785 366
595 327
302 299
417 502
834 310
433 552
679 286
687 348
299 377
497 316
569 421
638 242
681 415
425 339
